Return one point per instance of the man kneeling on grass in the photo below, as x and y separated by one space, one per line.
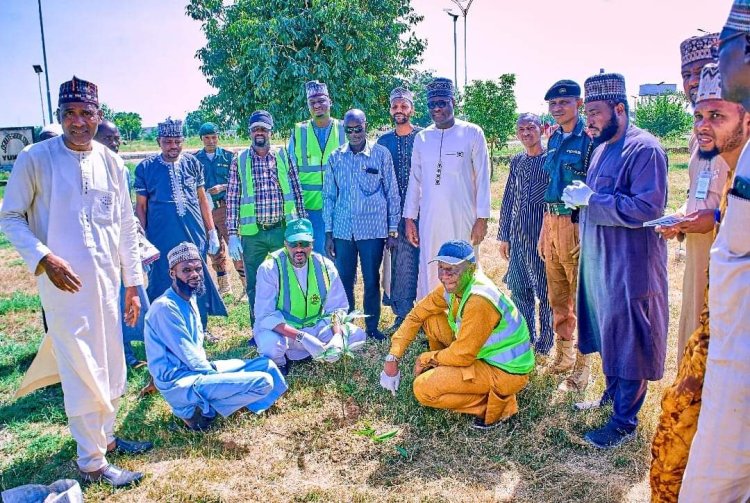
480 351
195 387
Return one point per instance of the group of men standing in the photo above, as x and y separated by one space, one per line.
574 226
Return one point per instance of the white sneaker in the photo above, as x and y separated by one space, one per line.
593 404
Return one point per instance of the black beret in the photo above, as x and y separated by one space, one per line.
563 88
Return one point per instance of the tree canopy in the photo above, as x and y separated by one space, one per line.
259 54
664 115
492 105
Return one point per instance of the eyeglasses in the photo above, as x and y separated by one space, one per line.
356 129
431 105
717 47
300 244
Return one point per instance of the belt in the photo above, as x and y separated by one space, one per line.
557 209
220 203
268 227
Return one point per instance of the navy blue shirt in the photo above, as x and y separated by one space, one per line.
567 160
216 171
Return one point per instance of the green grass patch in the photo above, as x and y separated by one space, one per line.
4 242
20 301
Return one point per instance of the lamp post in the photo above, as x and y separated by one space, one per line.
38 70
455 44
464 12
46 70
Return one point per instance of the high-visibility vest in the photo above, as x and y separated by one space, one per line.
509 345
311 160
301 308
248 218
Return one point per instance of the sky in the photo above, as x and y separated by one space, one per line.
141 53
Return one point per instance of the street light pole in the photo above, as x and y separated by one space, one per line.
464 12
38 70
455 45
46 70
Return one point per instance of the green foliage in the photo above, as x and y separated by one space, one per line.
664 116
107 112
208 111
129 124
259 54
492 105
20 301
417 83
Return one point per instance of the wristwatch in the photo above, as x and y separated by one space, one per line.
300 335
391 358
393 234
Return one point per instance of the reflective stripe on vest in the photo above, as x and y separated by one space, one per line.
301 309
311 160
509 344
248 224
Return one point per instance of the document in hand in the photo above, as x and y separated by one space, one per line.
665 221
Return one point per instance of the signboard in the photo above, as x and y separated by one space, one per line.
12 141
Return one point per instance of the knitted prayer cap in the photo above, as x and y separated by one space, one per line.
605 86
563 89
170 128
260 118
78 91
182 252
403 94
315 88
440 87
739 17
698 48
710 84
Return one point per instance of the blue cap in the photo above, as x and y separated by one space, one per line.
207 128
455 252
260 118
563 89
298 230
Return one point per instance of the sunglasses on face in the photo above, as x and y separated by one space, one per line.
437 104
300 244
259 129
356 129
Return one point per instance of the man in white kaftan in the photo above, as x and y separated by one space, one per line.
68 213
294 309
449 184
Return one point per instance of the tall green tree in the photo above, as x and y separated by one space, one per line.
664 115
208 111
492 105
259 54
129 124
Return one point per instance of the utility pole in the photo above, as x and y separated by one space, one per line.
38 70
455 45
464 10
46 70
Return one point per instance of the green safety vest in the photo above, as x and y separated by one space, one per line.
248 220
311 161
301 309
508 346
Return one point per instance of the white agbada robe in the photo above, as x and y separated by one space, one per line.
78 207
447 210
718 468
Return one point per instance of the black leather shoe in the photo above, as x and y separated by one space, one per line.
130 447
198 422
116 477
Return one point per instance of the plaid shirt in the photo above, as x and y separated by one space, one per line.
269 200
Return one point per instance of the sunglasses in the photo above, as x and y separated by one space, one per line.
431 105
300 244
356 129
717 47
260 129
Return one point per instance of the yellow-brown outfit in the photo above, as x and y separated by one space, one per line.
456 379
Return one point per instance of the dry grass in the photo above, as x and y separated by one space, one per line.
307 447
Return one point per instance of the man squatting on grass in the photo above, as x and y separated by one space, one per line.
480 352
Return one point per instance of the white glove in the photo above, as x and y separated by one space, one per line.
390 383
235 247
577 194
213 242
312 345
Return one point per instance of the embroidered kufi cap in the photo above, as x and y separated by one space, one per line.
440 87
182 252
698 48
605 86
739 18
403 94
78 91
170 128
710 84
315 88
